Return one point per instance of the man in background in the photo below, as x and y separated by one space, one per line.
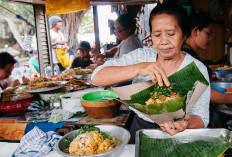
7 62
83 60
58 41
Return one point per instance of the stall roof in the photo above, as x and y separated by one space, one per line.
93 2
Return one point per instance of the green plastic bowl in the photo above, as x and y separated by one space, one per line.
99 96
97 107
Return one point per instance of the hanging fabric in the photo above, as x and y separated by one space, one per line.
64 6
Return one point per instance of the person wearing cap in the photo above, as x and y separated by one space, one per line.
57 40
83 60
34 63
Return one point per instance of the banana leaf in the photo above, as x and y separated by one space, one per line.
182 146
184 80
161 108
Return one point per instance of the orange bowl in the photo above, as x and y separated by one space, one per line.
97 108
15 106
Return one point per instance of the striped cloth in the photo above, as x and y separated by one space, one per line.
36 143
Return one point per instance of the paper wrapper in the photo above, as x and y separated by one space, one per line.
125 92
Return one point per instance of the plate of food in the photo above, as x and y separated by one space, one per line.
90 140
78 71
12 94
224 70
14 100
77 84
43 87
39 80
62 77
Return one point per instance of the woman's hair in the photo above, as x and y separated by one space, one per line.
6 58
170 9
200 20
127 22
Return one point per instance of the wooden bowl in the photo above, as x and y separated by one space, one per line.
96 107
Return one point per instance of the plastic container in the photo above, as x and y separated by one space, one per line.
56 70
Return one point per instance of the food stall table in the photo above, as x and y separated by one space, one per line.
7 149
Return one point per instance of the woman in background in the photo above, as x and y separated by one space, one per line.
199 39
124 28
34 63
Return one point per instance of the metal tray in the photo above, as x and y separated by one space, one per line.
222 84
190 133
40 90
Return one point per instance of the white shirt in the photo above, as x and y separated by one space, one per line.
56 37
201 108
129 44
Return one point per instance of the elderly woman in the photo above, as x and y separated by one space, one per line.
168 27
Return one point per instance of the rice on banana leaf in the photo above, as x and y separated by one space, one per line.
184 80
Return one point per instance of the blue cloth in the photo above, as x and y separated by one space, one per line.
44 126
36 143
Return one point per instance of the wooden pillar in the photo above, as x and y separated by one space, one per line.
96 29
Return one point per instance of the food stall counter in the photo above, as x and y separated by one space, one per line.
7 149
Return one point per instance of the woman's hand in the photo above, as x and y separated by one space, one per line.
174 127
98 56
15 83
25 80
155 71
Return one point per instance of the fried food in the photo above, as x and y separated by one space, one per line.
39 80
225 67
91 143
14 94
78 70
62 77
76 83
163 94
42 85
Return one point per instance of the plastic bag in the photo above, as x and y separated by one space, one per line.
62 57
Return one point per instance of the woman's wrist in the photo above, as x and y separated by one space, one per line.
104 54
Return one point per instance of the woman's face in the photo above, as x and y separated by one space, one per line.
166 35
203 38
36 56
120 31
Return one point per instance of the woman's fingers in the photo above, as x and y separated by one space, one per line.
174 127
159 78
162 74
169 128
155 71
180 125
